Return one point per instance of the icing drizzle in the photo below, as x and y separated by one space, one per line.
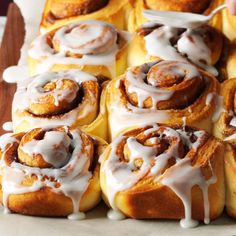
180 177
190 43
71 171
31 90
89 42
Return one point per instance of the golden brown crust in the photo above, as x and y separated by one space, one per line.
46 105
64 9
222 127
149 198
80 98
197 110
193 6
205 7
230 176
102 44
46 201
214 40
184 90
112 11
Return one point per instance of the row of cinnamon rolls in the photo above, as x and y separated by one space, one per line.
158 116
123 14
101 49
127 14
159 119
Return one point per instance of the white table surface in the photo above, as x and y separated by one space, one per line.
96 224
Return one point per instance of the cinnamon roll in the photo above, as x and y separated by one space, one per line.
225 122
50 172
57 98
225 129
92 46
202 46
167 172
136 18
58 13
164 92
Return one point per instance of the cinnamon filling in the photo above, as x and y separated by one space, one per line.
161 144
167 85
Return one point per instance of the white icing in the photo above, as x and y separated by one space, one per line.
31 90
181 19
73 176
123 116
115 215
158 44
86 38
15 74
231 137
176 19
190 43
35 90
48 57
77 216
32 12
53 148
181 177
209 98
6 139
219 108
144 91
181 182
233 121
7 126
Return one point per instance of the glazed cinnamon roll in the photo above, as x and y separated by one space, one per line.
225 129
50 172
57 98
167 172
164 92
225 125
92 46
202 46
136 18
59 13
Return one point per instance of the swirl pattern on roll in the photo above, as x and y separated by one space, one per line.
225 122
83 43
56 98
162 91
201 46
51 167
148 159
